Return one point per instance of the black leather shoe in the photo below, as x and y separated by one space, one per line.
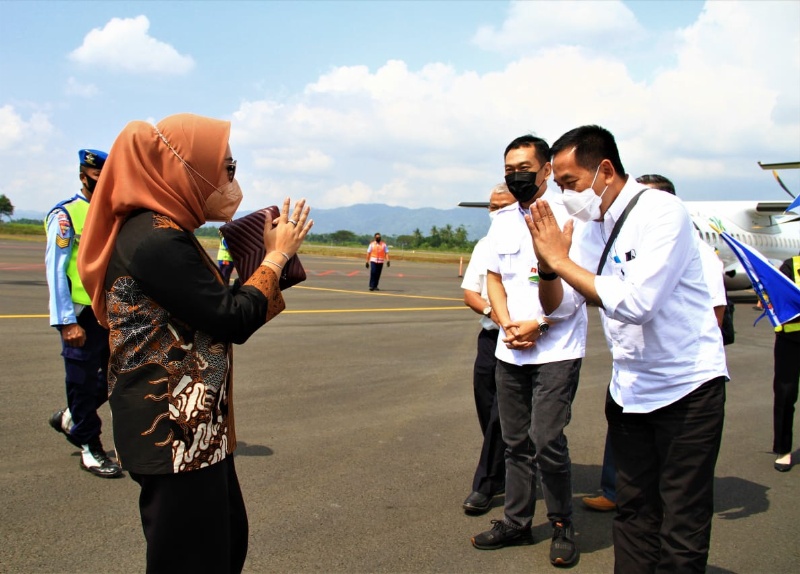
95 460
780 467
502 535
57 422
477 503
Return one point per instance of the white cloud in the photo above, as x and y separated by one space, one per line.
434 136
726 95
124 44
76 88
349 194
531 25
291 160
20 137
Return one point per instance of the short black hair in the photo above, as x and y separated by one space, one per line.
657 181
529 140
592 145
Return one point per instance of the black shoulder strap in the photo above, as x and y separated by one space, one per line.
615 231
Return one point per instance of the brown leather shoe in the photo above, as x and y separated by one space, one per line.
600 503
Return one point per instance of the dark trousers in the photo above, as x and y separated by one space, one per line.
374 274
226 270
490 476
784 386
608 475
87 386
665 481
194 521
535 403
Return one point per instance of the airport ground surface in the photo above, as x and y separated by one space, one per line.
358 439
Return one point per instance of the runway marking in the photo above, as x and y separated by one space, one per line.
377 310
306 311
373 294
351 292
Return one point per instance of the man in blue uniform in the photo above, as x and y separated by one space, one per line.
84 342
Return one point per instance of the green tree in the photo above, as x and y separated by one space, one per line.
418 238
405 241
447 235
435 239
6 207
460 238
343 236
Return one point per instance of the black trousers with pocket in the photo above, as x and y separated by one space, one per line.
665 481
194 521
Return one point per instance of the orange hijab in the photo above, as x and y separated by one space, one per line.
142 172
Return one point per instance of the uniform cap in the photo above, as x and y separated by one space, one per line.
92 158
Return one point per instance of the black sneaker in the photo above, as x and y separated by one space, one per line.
95 460
61 421
563 551
502 535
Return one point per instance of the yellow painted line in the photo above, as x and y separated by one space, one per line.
303 311
387 310
374 294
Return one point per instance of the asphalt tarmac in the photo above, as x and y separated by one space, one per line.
358 439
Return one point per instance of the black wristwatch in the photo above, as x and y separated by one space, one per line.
547 276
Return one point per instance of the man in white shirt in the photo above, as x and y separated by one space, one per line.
713 270
539 359
490 475
666 399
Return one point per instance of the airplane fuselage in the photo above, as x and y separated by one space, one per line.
755 223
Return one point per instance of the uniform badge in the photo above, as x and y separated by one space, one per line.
64 229
534 276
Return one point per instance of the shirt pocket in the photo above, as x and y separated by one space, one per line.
508 250
617 267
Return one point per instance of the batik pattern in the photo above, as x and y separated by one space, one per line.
179 368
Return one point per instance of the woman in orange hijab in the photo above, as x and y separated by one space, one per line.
172 321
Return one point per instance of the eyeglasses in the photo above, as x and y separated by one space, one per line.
231 167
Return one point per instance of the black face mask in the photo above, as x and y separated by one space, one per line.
91 183
522 185
378 239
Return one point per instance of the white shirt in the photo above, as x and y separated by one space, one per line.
713 270
512 257
658 317
475 277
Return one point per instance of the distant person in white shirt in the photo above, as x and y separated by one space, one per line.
666 400
538 363
713 268
489 479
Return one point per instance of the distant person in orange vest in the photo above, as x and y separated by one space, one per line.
377 253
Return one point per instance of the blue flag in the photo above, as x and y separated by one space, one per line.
793 207
779 295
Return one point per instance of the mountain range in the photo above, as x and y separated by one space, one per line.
369 218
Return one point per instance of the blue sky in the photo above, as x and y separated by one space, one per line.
405 103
